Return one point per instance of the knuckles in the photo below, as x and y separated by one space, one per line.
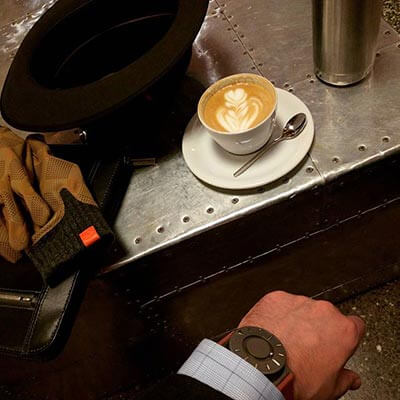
276 295
350 332
325 306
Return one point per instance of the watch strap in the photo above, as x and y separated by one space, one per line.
286 387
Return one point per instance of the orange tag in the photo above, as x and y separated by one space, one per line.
89 236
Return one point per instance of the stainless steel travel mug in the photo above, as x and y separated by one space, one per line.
345 34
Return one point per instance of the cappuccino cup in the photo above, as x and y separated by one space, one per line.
239 112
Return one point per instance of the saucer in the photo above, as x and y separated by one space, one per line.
215 166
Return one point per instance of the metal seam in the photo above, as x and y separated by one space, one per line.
239 38
251 259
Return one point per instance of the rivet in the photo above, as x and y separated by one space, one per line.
229 29
311 80
235 200
185 219
253 68
210 210
362 147
291 90
235 26
260 64
242 36
235 40
387 32
378 54
308 76
286 84
244 53
335 160
273 82
309 170
385 139
160 229
138 240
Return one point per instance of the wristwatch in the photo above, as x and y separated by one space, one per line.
265 352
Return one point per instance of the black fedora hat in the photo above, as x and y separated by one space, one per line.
84 60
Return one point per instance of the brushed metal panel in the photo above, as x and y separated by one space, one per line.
160 199
268 37
12 10
278 36
355 125
12 34
217 51
169 192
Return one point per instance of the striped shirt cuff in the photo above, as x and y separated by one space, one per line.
219 368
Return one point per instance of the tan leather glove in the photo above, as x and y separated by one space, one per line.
76 223
16 193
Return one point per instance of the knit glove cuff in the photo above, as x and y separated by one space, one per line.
60 252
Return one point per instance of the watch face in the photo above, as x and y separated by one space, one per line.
260 348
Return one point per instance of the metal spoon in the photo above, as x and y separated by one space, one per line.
292 129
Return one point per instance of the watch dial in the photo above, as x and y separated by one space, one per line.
260 348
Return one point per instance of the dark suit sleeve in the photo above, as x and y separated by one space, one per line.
181 387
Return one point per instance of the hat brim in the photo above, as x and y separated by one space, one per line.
29 105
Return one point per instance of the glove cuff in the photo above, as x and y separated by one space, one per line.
60 252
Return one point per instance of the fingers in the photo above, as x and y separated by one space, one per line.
346 380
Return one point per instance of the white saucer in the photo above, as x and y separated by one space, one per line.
215 166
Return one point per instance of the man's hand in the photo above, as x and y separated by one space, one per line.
318 339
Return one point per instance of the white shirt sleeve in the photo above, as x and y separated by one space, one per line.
219 368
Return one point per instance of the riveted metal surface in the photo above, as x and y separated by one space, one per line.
217 51
234 39
268 37
277 34
184 198
169 194
359 124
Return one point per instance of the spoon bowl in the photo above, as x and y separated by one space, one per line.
292 129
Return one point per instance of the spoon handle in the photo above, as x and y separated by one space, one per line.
252 160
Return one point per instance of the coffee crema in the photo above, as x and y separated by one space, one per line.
238 107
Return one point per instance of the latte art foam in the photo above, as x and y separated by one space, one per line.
239 111
238 107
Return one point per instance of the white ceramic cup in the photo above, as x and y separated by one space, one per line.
249 140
